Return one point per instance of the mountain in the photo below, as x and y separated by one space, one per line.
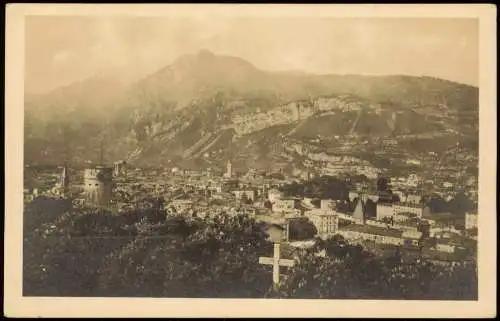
204 109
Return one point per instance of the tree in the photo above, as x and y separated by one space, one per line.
460 204
344 207
70 249
388 220
437 204
383 184
301 229
218 258
324 187
98 253
424 227
347 271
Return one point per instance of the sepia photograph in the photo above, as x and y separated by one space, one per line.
233 152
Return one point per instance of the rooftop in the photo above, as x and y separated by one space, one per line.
320 212
372 230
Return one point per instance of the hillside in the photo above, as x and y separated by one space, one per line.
211 107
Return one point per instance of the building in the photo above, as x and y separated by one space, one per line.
305 175
471 220
249 194
413 180
119 168
181 205
359 233
415 209
274 195
78 201
412 234
98 185
413 199
353 196
327 204
445 247
384 210
214 187
448 185
401 195
325 221
278 232
284 205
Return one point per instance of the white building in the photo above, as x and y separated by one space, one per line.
443 247
216 188
413 161
447 185
411 234
250 194
413 180
119 168
274 195
413 199
284 205
325 221
181 205
407 208
352 196
327 204
384 210
471 220
359 233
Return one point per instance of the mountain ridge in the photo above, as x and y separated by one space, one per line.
198 98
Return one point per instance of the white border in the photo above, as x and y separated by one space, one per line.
17 306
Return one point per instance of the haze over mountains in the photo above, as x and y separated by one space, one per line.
205 108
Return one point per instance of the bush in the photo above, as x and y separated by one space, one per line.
104 254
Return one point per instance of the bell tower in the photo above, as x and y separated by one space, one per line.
229 169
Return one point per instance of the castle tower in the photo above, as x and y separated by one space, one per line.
98 185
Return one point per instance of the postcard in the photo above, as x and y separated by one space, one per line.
237 160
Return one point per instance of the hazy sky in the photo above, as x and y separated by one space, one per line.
61 50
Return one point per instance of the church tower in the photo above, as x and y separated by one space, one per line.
360 210
64 181
229 169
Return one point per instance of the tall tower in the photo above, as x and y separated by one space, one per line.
359 211
229 169
64 181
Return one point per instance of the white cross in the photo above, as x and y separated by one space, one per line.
275 261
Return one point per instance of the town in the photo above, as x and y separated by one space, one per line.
380 213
